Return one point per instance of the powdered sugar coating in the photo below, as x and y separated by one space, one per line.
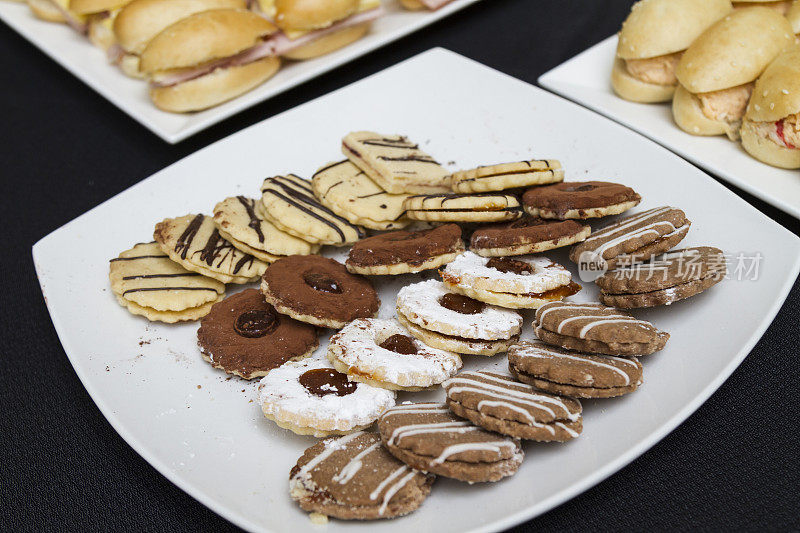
471 270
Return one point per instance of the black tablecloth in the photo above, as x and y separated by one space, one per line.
732 465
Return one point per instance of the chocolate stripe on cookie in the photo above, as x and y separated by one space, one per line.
409 158
138 257
255 222
401 143
155 276
155 289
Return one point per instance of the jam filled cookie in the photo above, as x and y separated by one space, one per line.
355 478
347 191
507 176
455 207
147 282
527 235
381 353
512 283
318 290
430 438
195 242
288 202
498 403
309 397
395 163
667 278
590 327
454 322
573 199
244 335
575 374
238 222
402 252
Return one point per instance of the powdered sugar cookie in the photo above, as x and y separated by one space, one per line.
507 176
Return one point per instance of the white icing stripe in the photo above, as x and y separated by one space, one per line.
544 353
520 410
415 412
508 398
354 465
579 317
471 446
627 222
402 406
589 326
559 305
641 232
571 432
440 427
330 447
393 490
377 492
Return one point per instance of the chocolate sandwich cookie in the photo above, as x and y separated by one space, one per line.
355 478
665 279
457 207
595 328
395 163
289 203
527 235
401 252
507 176
244 335
634 238
579 199
498 403
430 438
575 374
318 290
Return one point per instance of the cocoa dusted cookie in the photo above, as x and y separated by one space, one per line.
595 328
355 478
579 199
498 403
244 335
430 438
527 235
665 279
318 290
575 374
402 252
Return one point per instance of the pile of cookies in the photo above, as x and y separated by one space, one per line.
403 213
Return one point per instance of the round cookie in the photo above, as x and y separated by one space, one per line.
667 278
195 242
498 403
430 438
403 252
288 202
507 176
347 191
354 478
460 345
456 207
238 222
527 235
574 374
244 335
595 328
309 397
380 352
318 290
579 199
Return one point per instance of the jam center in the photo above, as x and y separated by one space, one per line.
322 282
402 344
505 264
461 304
324 381
256 323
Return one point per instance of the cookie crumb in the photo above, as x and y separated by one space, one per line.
318 519
199 386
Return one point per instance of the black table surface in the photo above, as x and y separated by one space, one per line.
732 465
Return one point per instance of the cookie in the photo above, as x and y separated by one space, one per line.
514 283
355 478
579 199
238 222
288 202
575 374
454 322
507 176
195 242
318 290
498 403
396 164
147 282
528 235
381 353
402 252
309 397
632 239
346 190
456 207
665 279
595 328
244 336
430 438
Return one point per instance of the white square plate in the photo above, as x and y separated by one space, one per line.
200 429
88 63
586 79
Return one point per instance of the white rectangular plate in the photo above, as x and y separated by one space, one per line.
586 79
200 428
88 63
